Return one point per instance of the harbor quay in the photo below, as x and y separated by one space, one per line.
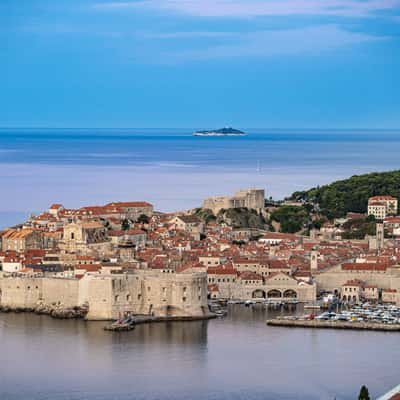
370 326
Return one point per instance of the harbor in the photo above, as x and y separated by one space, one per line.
375 317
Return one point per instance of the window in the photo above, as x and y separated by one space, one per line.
72 235
116 298
139 296
128 297
183 299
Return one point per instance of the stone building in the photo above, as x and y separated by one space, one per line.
21 239
149 292
188 223
250 285
135 237
370 274
249 198
382 206
82 236
352 291
133 209
391 296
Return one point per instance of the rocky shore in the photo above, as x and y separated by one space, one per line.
54 310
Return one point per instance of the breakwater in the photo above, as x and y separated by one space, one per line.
371 326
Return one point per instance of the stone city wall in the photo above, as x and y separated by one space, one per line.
110 296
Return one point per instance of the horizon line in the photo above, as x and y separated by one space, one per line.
191 128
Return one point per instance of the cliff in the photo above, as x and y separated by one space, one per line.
234 217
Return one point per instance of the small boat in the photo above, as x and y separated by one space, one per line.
221 313
121 325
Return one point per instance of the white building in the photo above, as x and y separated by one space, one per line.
381 206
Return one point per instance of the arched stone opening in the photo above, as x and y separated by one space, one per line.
274 293
289 293
259 294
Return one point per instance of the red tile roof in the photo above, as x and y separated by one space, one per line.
364 267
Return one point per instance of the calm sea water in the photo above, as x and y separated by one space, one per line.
173 169
234 358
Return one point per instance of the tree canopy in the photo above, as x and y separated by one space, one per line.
364 393
351 195
291 218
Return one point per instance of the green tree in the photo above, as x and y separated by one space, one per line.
291 218
352 194
143 219
364 393
125 225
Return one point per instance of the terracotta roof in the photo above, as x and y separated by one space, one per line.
364 267
14 234
379 198
279 235
189 219
55 206
354 282
249 275
221 270
130 204
92 225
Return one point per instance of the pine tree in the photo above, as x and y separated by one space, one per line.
364 393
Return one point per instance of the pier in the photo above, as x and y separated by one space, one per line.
303 323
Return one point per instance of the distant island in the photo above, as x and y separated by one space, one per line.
227 131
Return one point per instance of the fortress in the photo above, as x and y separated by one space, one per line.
249 198
148 292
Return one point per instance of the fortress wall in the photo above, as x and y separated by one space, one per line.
147 292
20 292
110 296
334 280
100 298
61 290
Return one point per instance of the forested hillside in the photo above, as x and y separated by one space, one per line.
340 197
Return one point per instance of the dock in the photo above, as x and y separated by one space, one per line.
355 325
129 323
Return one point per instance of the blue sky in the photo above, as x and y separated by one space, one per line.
200 63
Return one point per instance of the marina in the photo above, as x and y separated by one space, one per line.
361 317
333 324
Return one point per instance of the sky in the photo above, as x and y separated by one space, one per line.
200 63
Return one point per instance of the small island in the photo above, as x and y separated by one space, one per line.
227 131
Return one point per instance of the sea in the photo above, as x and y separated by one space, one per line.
173 169
234 358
